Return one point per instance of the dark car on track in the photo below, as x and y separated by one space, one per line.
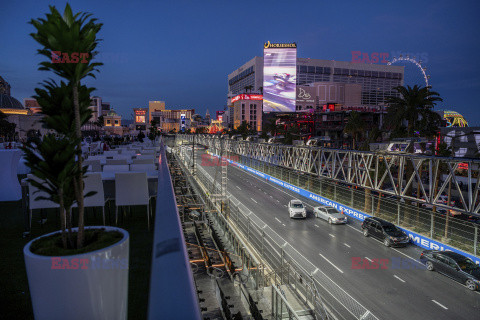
384 231
453 265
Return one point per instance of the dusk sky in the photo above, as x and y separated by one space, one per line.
182 51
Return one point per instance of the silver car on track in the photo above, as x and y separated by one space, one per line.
330 214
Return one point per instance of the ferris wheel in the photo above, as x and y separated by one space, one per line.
417 73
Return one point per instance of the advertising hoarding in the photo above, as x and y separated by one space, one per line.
140 115
247 97
279 77
182 121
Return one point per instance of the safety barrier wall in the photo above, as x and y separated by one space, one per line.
173 294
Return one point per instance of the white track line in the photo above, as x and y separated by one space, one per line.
321 255
399 278
406 255
254 200
238 187
317 226
369 259
331 235
347 245
441 305
354 228
278 220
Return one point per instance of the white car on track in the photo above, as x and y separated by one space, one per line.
330 214
297 209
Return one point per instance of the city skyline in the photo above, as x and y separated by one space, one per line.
181 53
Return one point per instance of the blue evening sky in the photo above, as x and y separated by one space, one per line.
182 51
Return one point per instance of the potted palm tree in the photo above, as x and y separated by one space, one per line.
77 272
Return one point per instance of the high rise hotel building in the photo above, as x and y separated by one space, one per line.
377 81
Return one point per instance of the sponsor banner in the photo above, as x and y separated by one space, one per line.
247 97
415 238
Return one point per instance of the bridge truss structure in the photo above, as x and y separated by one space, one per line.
395 174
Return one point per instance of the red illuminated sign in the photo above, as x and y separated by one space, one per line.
329 107
463 166
247 97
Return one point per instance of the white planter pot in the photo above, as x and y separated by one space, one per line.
71 287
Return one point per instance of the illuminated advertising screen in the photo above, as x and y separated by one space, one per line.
279 77
182 121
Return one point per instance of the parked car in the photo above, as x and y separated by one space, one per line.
296 209
384 231
330 214
453 265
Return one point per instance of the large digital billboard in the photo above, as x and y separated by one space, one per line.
279 77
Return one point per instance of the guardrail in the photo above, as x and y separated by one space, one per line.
173 294
294 269
371 170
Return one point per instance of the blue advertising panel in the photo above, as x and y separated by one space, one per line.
415 238
279 77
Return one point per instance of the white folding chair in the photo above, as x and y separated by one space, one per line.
131 189
98 157
93 182
96 166
144 161
116 161
109 153
33 193
128 153
146 156
142 167
116 168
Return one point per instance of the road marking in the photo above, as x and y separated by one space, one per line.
369 259
278 220
321 255
347 245
284 205
238 187
331 235
278 201
283 224
406 255
317 226
441 305
254 200
354 228
399 278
